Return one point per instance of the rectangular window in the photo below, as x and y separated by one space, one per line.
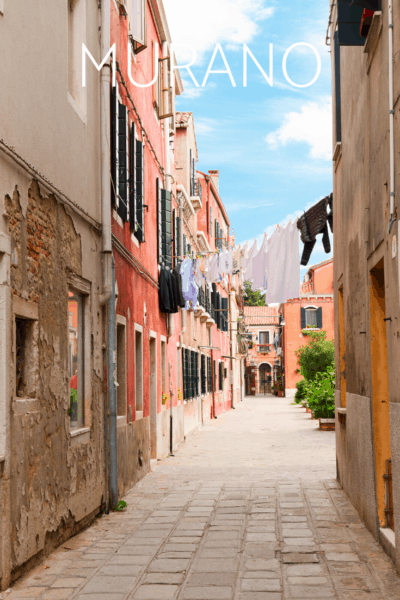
138 24
224 315
165 93
164 226
215 386
132 179
26 358
185 249
177 244
121 367
192 174
311 317
76 359
163 367
139 371
203 374
264 339
178 370
209 375
139 191
123 163
195 374
221 376
349 23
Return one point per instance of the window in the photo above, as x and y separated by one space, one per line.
177 238
349 20
311 318
338 106
178 370
76 359
163 367
138 370
121 366
26 358
164 226
190 374
185 249
192 174
165 99
215 387
139 191
221 376
203 374
76 36
209 375
264 341
224 315
120 145
138 24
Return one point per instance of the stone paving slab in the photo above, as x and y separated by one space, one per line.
257 516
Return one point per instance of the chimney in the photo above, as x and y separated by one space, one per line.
215 178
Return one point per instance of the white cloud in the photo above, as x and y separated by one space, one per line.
312 125
203 24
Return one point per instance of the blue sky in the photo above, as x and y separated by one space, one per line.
272 145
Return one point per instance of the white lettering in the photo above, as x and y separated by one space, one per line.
143 85
191 63
85 52
227 72
270 78
285 61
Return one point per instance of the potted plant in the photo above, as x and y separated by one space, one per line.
274 390
321 399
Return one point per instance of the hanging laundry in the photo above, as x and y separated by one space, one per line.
313 222
276 263
198 274
229 262
237 259
259 266
292 270
166 296
189 287
177 287
248 271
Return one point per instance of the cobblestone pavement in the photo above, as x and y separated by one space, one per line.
248 509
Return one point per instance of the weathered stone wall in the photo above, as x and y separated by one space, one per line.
56 481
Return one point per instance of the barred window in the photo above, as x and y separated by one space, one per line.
203 374
209 375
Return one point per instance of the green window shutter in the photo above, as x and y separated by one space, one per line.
166 227
209 375
319 318
203 374
123 172
114 145
303 318
139 182
224 314
184 245
178 237
349 23
132 179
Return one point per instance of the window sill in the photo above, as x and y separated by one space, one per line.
138 415
387 539
341 411
80 436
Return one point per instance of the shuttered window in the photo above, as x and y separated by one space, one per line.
132 179
203 374
184 245
215 386
114 146
192 174
177 242
349 22
224 314
138 24
209 375
221 376
139 189
123 162
164 226
190 374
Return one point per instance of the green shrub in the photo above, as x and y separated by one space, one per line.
320 393
301 391
318 356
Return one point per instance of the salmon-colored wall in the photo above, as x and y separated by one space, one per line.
320 284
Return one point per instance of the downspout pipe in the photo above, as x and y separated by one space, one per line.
112 395
391 121
105 83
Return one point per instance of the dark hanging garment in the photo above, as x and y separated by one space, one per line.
177 285
165 293
312 223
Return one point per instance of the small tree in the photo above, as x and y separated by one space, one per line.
251 297
318 356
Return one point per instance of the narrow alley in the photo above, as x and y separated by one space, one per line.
247 509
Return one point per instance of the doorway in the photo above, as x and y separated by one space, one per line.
265 378
153 398
380 395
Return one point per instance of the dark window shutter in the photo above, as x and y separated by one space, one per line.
191 172
219 313
166 227
132 179
319 318
178 237
184 245
189 249
303 318
209 375
114 146
221 376
215 376
224 306
349 22
338 104
203 374
139 176
159 221
123 174
216 233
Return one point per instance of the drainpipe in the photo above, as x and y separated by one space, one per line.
105 82
112 396
391 122
106 296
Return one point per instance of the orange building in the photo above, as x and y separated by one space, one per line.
313 311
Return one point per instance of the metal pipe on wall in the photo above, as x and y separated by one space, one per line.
112 396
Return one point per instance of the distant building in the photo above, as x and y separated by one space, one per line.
313 311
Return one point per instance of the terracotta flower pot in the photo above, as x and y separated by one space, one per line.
327 424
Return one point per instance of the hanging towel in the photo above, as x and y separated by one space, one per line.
259 266
248 274
313 222
292 271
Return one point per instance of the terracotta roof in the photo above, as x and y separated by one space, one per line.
262 320
261 311
321 264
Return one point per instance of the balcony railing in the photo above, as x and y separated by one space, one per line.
264 348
